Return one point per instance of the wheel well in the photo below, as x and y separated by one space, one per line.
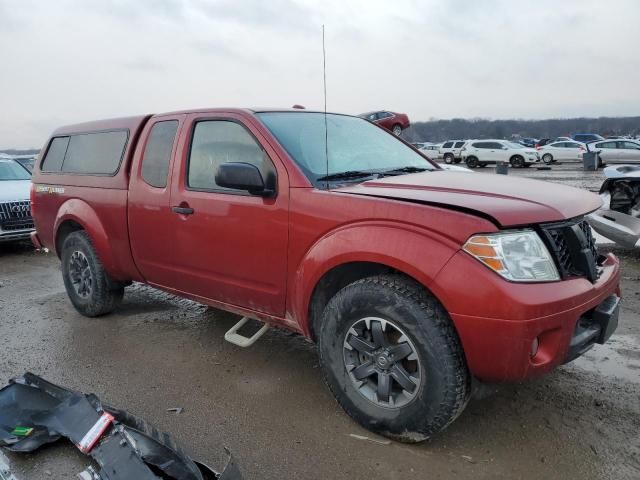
335 280
65 228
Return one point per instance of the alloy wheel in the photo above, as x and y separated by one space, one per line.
382 362
80 274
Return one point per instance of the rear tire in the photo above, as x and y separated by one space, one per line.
448 158
392 358
397 129
472 162
88 286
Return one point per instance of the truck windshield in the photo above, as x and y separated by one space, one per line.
354 146
10 170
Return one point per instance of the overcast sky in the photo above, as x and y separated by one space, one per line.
64 61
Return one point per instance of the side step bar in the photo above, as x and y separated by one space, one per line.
232 335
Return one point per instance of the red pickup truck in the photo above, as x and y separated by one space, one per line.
412 280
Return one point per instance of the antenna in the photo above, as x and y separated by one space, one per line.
326 132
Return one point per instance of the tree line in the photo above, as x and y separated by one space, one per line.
460 128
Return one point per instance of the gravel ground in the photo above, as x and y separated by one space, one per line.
269 406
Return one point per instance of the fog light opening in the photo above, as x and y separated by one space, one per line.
534 347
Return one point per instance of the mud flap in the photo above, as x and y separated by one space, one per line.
34 412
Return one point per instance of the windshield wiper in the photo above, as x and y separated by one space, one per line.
349 174
401 170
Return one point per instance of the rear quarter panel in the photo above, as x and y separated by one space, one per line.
100 211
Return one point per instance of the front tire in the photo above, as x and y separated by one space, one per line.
517 161
472 162
88 286
448 158
392 358
547 158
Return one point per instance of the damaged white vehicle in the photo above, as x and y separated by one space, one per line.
619 217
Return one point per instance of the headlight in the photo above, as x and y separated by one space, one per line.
518 256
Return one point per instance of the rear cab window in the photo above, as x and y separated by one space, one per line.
95 153
55 155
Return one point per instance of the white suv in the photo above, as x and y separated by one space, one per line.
451 150
479 153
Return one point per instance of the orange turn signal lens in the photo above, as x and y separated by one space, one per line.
480 250
493 263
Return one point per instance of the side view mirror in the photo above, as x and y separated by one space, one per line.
244 176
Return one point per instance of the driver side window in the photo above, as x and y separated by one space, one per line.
216 142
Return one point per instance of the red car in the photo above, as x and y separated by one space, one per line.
412 279
394 122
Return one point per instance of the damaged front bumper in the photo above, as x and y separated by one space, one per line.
34 412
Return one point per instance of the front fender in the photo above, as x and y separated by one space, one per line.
81 212
418 253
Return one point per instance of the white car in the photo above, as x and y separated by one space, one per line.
451 151
431 150
479 153
15 208
617 151
455 168
563 151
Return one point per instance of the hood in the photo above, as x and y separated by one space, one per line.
509 201
622 171
14 190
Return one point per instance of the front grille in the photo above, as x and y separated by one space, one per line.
574 248
15 216
17 224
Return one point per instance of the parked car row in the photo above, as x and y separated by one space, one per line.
561 149
480 153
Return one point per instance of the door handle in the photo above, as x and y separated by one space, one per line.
182 210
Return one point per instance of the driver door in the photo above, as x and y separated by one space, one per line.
227 245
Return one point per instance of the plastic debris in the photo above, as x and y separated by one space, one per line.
34 412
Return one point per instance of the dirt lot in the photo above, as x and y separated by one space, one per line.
268 404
